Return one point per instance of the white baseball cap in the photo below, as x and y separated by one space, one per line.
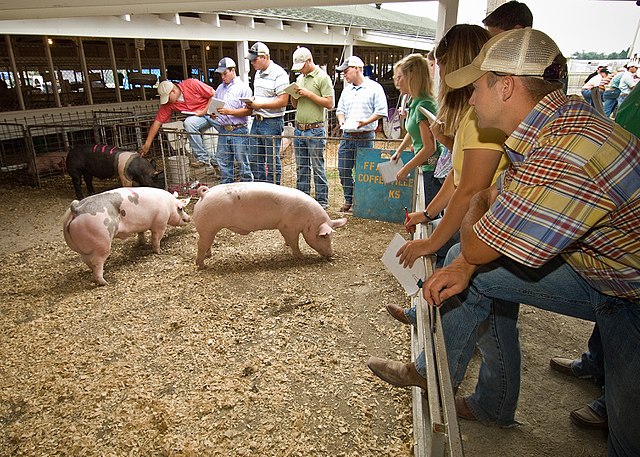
519 52
258 49
353 61
164 89
300 56
224 64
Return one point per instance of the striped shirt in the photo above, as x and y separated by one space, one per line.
270 83
358 103
573 190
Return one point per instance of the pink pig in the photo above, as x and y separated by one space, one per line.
90 224
249 206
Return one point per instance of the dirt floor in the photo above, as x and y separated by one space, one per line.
259 354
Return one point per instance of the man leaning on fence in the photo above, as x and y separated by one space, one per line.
314 94
233 118
268 107
557 231
190 96
362 103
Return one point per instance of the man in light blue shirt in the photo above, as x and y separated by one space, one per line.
233 118
362 103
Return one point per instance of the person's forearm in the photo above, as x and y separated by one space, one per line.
278 102
370 119
474 250
153 131
443 197
325 102
451 220
479 204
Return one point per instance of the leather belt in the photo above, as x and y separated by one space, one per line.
232 127
358 133
313 125
259 117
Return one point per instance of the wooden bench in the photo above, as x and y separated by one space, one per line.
435 423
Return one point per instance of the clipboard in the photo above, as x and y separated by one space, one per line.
411 279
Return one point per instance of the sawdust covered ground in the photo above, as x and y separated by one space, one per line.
259 354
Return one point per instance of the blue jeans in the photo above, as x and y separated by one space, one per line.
592 361
592 364
491 303
264 151
587 95
610 100
621 98
233 149
347 150
309 151
431 187
193 125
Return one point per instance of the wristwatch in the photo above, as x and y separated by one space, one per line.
426 215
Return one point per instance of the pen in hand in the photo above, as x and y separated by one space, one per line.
411 228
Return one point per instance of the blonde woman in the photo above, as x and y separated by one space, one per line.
477 154
412 76
478 159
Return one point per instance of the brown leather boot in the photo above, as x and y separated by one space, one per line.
397 312
396 373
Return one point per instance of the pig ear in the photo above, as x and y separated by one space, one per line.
325 230
338 222
175 194
185 201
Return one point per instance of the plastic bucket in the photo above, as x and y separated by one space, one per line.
177 170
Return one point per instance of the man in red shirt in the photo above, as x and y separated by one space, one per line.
190 97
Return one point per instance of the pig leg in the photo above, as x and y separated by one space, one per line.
77 185
156 236
88 179
95 261
204 247
292 238
141 238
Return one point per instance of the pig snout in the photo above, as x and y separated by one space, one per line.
184 217
321 240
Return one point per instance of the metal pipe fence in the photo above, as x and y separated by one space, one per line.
183 176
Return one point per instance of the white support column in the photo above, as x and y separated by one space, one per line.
242 49
447 16
492 5
348 52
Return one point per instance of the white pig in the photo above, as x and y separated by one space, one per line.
89 225
245 207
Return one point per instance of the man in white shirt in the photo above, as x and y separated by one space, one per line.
268 105
362 103
628 81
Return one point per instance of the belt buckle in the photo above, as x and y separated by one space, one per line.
228 128
259 117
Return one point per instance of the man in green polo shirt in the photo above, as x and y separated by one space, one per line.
314 93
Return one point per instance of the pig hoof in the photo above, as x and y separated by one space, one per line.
101 282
